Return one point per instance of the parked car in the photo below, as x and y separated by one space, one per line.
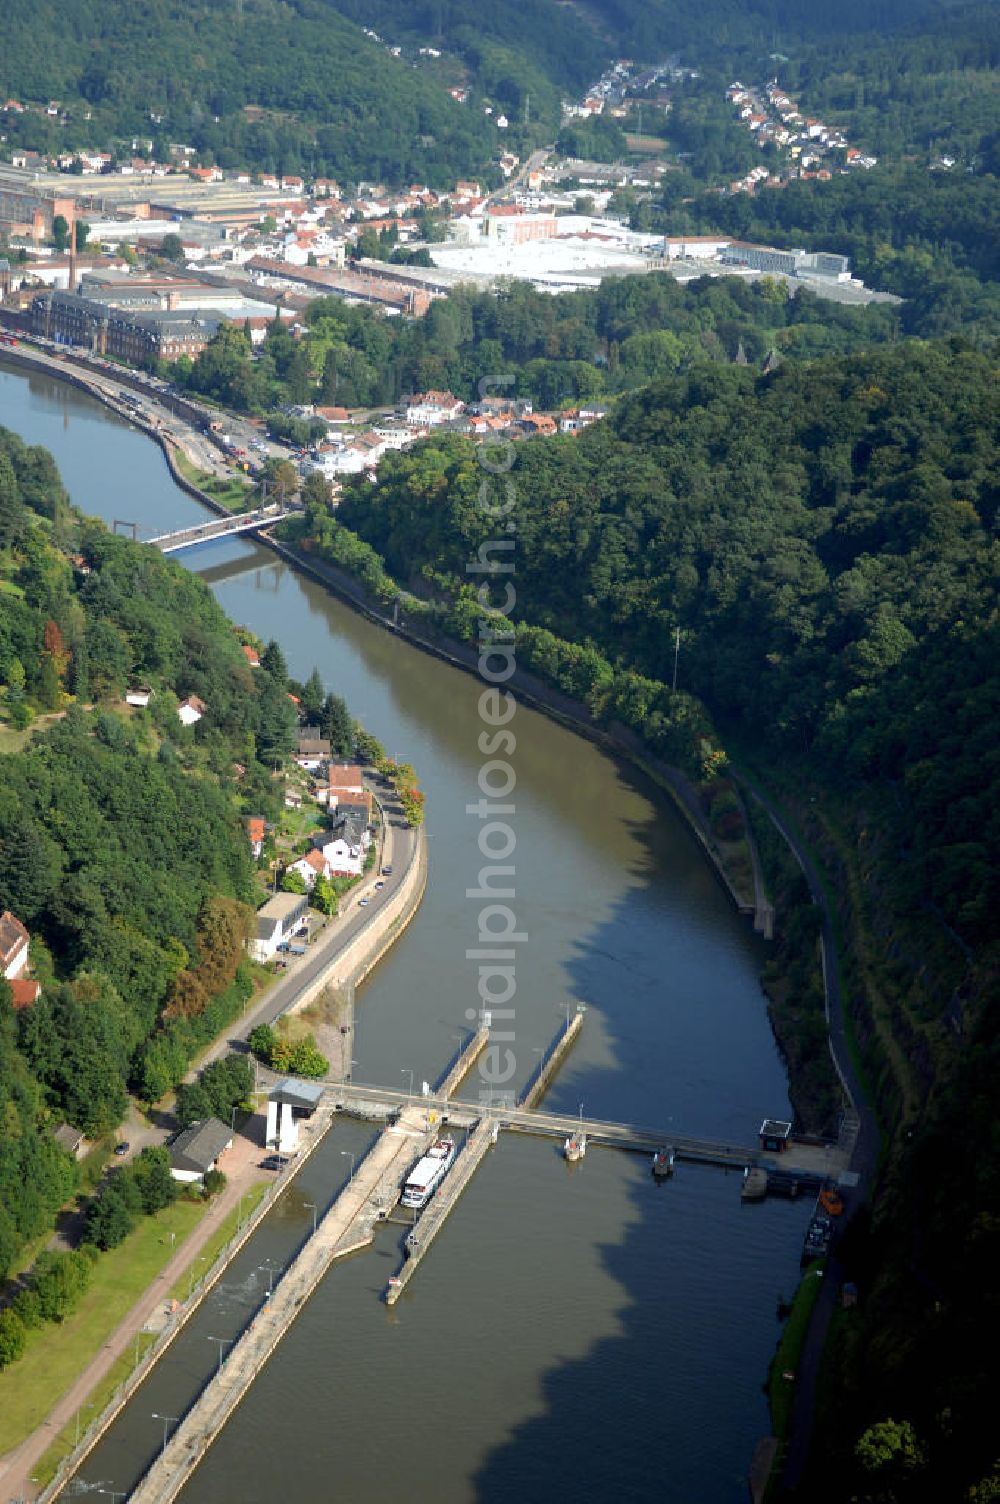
380 884
386 871
273 1162
122 1149
363 901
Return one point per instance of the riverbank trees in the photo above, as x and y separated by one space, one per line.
122 831
824 540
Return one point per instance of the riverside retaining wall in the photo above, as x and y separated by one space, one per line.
619 741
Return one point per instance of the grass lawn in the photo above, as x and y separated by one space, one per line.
234 494
93 1405
786 1360
218 1241
13 741
58 1352
189 470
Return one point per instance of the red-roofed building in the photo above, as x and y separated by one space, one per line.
251 655
345 785
431 408
24 993
314 864
256 831
14 940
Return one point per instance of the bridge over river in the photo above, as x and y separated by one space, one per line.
371 1194
207 532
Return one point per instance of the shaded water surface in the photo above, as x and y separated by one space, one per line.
577 1332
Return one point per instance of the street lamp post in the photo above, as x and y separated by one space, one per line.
88 1405
407 1070
310 1206
223 1344
348 1155
194 1271
271 1271
166 1419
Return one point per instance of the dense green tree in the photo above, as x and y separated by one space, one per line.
338 728
150 1172
113 1214
312 698
59 1280
172 247
13 1337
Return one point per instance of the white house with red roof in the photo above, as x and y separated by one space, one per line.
314 864
431 408
191 710
14 940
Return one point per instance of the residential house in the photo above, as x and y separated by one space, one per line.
344 844
197 1149
138 697
432 408
314 864
393 435
191 710
251 655
256 832
345 785
14 939
313 750
280 918
347 776
482 425
537 425
578 418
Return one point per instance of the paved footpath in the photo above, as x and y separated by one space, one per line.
374 1187
16 1468
864 1158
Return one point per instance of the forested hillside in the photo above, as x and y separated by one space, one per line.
629 331
300 88
934 87
286 88
825 539
122 843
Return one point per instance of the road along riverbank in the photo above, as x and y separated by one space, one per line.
625 915
349 962
573 714
532 691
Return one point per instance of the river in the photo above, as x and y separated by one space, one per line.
577 1331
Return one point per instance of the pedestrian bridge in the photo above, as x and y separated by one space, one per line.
220 527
